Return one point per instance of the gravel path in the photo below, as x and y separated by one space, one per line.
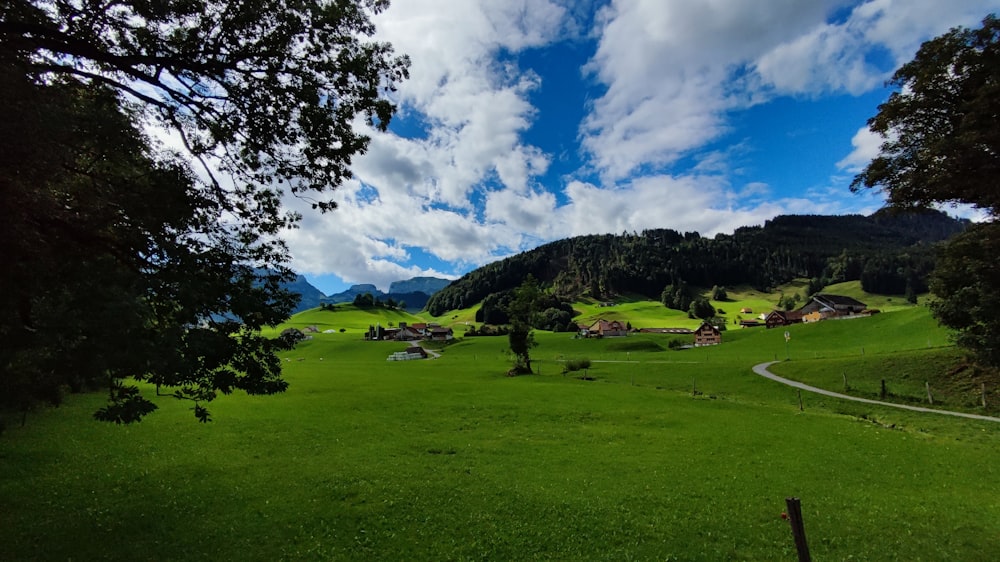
762 371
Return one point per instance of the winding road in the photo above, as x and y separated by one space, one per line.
762 371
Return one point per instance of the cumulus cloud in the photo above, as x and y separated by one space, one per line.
674 70
669 67
464 186
866 147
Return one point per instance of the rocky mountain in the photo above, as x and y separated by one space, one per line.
353 291
310 296
426 285
414 292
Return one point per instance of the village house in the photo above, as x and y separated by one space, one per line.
823 306
607 328
707 334
782 318
438 333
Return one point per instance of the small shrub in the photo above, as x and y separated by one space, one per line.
573 365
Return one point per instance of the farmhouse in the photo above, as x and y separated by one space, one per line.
439 333
782 318
707 334
606 328
822 307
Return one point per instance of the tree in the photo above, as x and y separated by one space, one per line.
117 263
271 87
701 308
941 144
521 312
719 293
966 284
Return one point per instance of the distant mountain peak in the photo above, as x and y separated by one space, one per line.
426 285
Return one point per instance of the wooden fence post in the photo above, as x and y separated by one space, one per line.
846 388
798 528
800 400
882 392
930 399
984 394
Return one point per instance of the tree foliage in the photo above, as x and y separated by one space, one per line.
120 260
522 311
701 308
967 286
270 87
941 144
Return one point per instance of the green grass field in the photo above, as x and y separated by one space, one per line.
447 459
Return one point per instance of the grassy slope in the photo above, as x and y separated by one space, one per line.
353 319
448 459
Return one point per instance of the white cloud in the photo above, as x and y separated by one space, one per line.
674 70
669 70
689 203
670 74
866 147
844 56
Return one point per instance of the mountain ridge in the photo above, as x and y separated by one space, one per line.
890 251
312 297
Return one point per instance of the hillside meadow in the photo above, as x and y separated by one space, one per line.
648 454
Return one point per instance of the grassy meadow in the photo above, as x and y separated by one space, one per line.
648 454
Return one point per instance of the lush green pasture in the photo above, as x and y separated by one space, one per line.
352 319
447 459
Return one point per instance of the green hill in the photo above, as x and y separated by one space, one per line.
888 253
349 318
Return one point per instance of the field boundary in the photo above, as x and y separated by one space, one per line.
761 370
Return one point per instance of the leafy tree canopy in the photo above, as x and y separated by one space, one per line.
522 311
270 88
120 261
942 145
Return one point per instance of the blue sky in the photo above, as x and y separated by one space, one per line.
526 121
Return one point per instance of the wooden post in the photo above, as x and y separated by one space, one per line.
930 399
984 394
846 388
800 400
882 392
798 528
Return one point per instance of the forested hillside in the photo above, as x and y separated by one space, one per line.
891 253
